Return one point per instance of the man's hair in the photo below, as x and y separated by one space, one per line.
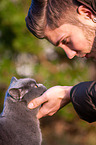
50 12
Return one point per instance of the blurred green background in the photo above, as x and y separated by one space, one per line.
23 55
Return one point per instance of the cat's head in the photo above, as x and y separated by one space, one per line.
24 89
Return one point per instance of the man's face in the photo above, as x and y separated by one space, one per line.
74 40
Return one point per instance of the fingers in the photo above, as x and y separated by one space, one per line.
47 109
37 102
42 114
44 111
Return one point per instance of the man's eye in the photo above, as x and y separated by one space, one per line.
65 41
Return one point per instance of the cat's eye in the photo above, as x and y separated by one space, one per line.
36 86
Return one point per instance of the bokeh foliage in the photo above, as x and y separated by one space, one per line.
23 55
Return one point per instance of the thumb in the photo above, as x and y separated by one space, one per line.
37 102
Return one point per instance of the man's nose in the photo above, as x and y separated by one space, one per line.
70 53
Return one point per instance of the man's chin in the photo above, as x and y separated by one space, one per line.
87 55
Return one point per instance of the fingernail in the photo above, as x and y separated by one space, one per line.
30 105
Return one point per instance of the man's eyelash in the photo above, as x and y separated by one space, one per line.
65 41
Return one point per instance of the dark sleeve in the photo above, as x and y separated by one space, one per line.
83 98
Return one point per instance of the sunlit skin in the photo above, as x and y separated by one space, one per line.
71 39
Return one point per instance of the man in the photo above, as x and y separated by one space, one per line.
71 25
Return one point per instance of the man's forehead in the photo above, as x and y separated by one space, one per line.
50 35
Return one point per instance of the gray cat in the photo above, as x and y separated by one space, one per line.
18 124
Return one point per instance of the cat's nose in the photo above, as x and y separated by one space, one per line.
40 85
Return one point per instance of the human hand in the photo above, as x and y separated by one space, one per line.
53 99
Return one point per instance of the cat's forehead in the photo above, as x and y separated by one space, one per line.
27 80
16 83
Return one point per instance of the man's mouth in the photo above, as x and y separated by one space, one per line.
81 55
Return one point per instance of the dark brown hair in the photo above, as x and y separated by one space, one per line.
49 12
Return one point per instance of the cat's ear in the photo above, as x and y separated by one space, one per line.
17 93
14 93
13 80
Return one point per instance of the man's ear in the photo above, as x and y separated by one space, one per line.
86 12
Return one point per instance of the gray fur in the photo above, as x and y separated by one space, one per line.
18 124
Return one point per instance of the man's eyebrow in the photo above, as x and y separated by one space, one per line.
55 44
58 42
